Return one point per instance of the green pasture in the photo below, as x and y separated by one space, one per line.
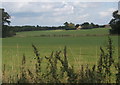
80 49
101 31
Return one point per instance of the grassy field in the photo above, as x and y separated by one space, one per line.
88 32
82 45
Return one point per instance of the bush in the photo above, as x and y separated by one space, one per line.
7 31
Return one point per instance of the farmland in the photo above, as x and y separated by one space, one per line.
82 45
60 43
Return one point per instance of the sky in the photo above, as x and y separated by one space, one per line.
56 13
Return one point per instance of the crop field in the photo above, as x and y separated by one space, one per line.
82 46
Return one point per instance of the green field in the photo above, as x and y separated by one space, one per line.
102 31
82 45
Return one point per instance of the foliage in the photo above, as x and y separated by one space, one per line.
23 73
69 26
5 17
66 24
6 30
115 23
87 25
105 62
117 66
35 28
38 64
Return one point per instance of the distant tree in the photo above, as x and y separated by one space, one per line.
66 24
71 26
77 25
37 26
115 23
86 25
96 26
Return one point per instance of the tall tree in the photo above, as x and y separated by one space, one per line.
6 30
115 23
5 17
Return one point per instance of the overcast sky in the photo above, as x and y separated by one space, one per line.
56 13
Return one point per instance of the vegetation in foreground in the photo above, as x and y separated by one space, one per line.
58 69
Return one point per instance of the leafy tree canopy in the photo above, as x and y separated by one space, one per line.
5 17
115 23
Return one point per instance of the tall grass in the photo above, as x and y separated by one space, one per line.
58 69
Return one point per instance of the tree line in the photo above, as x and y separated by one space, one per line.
69 26
9 31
